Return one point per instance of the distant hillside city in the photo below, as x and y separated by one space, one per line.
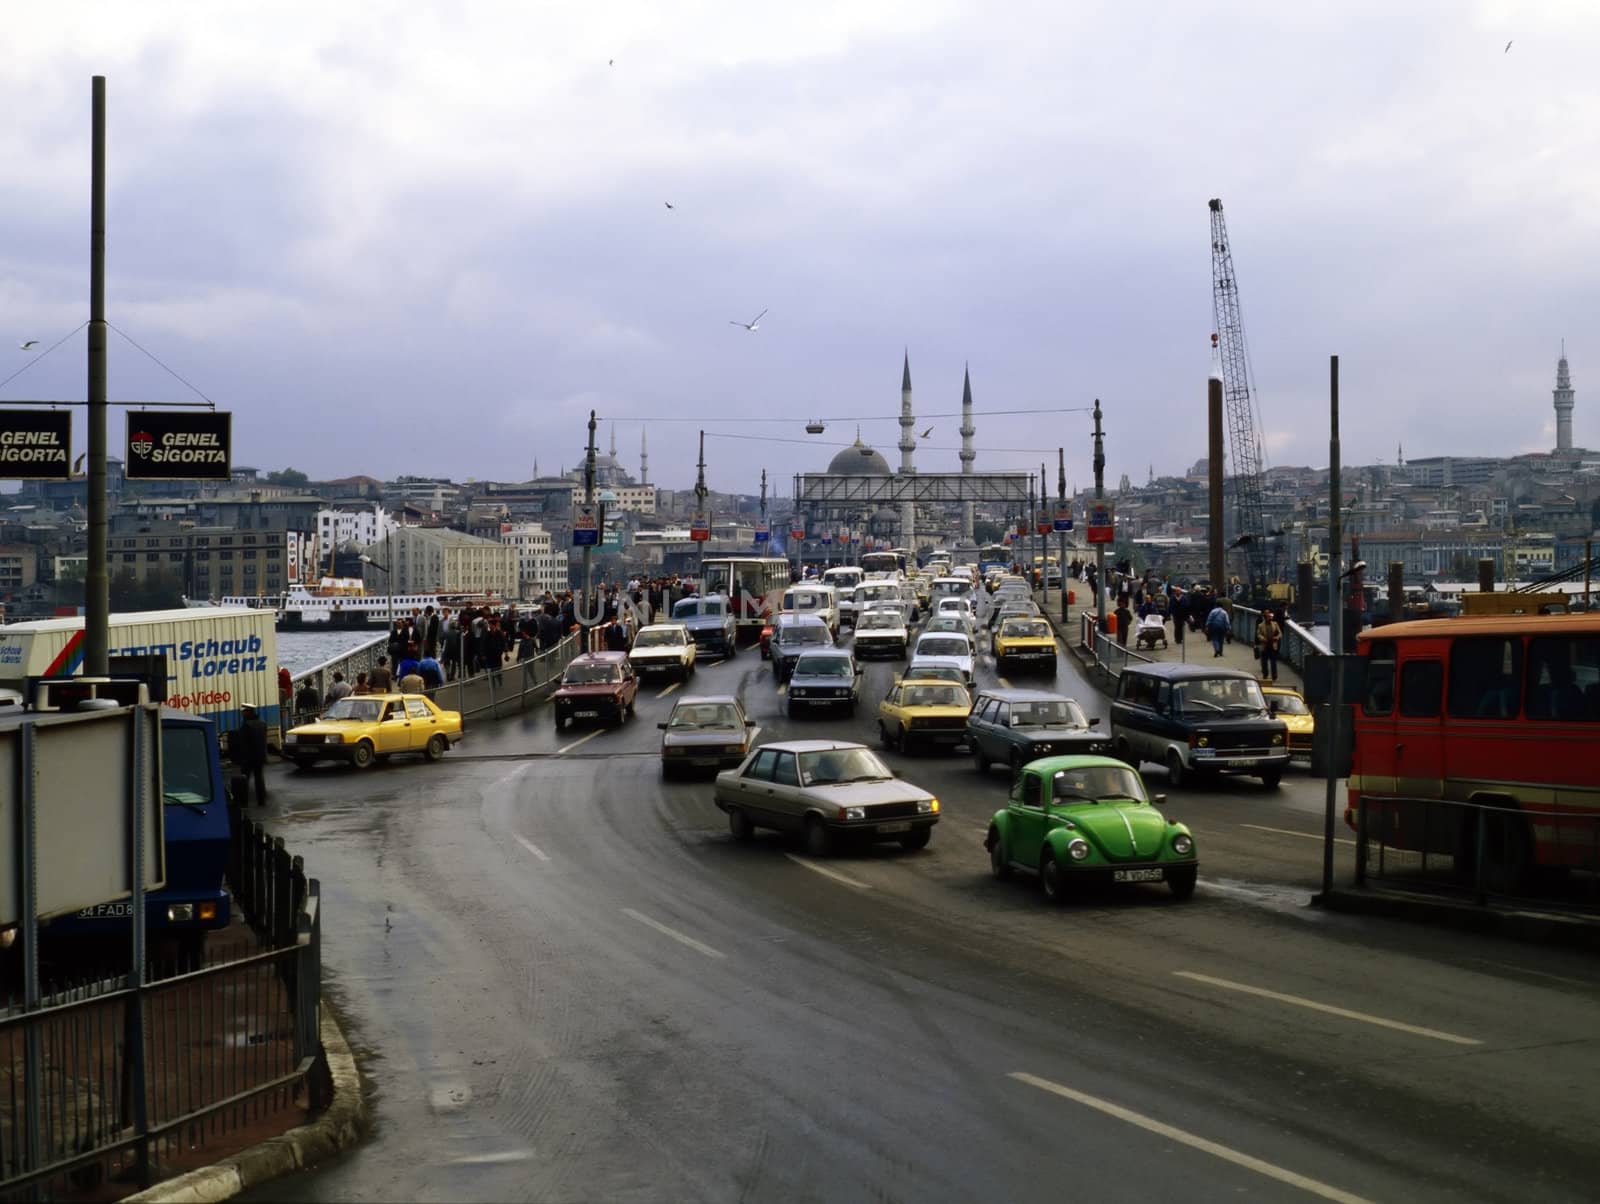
264 533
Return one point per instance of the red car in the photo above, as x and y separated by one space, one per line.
766 640
598 686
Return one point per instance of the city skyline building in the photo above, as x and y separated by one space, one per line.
1563 399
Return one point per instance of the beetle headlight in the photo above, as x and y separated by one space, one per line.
1078 848
1182 844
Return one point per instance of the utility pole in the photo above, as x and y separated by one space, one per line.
1335 622
764 497
588 614
1099 493
700 506
1061 505
1043 540
96 580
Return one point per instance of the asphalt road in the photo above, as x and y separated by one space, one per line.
568 983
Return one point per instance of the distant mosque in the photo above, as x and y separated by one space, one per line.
863 460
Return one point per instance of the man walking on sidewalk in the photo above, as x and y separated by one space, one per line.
1218 627
252 754
1268 635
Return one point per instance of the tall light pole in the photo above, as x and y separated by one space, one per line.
700 505
1043 539
1335 622
1099 493
1061 505
97 576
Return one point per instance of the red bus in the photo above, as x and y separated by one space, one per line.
1479 738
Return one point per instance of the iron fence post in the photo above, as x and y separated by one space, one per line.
1361 840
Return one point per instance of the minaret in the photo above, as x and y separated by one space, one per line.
644 460
908 446
968 455
613 440
1563 402
536 468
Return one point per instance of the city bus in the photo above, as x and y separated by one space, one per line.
1475 739
754 585
892 561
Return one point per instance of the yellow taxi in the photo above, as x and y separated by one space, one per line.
918 713
1025 643
362 728
1286 704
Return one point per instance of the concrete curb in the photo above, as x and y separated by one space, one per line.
340 1126
1544 928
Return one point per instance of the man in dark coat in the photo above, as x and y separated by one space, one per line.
251 752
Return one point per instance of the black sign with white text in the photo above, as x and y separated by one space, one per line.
179 445
35 445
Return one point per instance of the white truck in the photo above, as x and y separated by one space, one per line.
218 658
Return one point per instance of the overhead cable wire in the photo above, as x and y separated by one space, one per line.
159 364
40 355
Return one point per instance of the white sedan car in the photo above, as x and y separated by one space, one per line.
948 646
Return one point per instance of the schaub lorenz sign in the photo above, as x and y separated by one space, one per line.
179 445
35 444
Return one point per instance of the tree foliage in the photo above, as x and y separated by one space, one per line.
287 476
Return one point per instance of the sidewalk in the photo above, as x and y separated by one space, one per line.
1195 647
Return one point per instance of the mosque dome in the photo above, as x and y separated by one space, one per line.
859 460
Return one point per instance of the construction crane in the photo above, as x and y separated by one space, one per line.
1238 400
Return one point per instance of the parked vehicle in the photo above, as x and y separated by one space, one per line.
596 685
361 729
823 678
1075 819
1013 727
709 731
824 791
663 648
1197 720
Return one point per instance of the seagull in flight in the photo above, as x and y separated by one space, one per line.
926 433
752 325
29 345
669 204
1507 50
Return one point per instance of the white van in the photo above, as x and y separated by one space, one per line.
820 600
844 578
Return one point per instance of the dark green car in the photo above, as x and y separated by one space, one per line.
1088 819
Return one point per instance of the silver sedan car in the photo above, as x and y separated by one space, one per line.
704 732
824 791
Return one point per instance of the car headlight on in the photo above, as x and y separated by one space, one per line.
1277 739
928 806
1182 844
1077 848
852 813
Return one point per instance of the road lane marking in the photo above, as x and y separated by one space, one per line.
673 933
1290 832
669 689
1329 1009
1004 684
1314 1186
566 748
491 1159
827 873
532 848
507 778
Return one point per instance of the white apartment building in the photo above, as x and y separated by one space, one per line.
440 560
362 527
635 499
539 568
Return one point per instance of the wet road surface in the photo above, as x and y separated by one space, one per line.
568 983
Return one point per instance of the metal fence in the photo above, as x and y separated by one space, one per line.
493 693
114 1082
1296 646
1108 654
1532 854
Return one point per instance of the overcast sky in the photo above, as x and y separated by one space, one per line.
429 239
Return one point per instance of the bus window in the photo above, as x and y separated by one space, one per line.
1379 696
1421 683
1564 679
1485 677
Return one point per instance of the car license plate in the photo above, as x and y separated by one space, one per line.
586 714
900 827
1155 875
101 911
1244 763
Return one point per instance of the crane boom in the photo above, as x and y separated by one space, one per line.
1250 522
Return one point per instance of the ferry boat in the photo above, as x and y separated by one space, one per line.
345 602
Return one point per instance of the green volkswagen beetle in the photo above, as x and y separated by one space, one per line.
1088 819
